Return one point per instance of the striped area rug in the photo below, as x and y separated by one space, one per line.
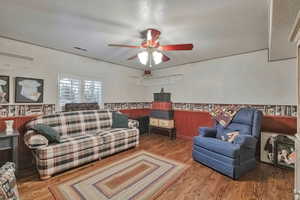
140 176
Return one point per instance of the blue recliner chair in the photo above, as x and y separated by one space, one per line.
231 159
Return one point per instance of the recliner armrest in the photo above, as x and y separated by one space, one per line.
207 132
246 141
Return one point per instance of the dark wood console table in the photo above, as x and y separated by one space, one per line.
10 141
171 131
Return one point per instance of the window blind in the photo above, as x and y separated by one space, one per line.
74 89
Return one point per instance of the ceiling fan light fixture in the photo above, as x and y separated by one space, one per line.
157 57
143 57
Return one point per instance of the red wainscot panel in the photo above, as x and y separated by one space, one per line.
279 124
136 112
187 123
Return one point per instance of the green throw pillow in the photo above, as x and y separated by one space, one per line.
119 120
50 133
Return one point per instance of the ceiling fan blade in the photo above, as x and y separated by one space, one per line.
150 34
124 45
176 47
132 57
165 58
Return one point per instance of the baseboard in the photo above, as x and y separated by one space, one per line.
296 194
185 137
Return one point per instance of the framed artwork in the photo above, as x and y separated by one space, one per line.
277 149
4 89
285 151
29 90
267 147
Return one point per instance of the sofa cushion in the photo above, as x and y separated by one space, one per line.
119 120
75 144
113 144
76 123
218 146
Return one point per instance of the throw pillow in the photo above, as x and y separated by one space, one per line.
119 120
229 137
224 115
50 133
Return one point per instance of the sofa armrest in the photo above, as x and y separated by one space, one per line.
246 141
34 140
133 123
207 132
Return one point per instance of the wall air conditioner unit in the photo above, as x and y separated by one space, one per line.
150 80
11 61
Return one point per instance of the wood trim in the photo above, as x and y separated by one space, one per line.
68 52
212 58
294 35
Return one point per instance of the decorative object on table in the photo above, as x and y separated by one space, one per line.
29 90
8 183
26 109
9 126
11 141
232 159
4 89
162 114
142 175
277 149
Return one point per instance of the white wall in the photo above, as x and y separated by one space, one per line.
247 78
241 79
47 64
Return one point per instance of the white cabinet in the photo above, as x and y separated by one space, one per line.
297 168
295 37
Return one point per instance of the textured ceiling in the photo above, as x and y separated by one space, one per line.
282 15
216 28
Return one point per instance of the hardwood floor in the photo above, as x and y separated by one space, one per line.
199 182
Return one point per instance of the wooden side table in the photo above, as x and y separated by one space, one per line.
10 141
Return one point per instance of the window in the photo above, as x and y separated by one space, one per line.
74 89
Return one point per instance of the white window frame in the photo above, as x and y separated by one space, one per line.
82 79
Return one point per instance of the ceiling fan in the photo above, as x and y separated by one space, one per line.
153 49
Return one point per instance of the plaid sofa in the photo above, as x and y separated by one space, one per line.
85 136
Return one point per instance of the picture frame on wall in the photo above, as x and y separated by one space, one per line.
29 90
4 89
